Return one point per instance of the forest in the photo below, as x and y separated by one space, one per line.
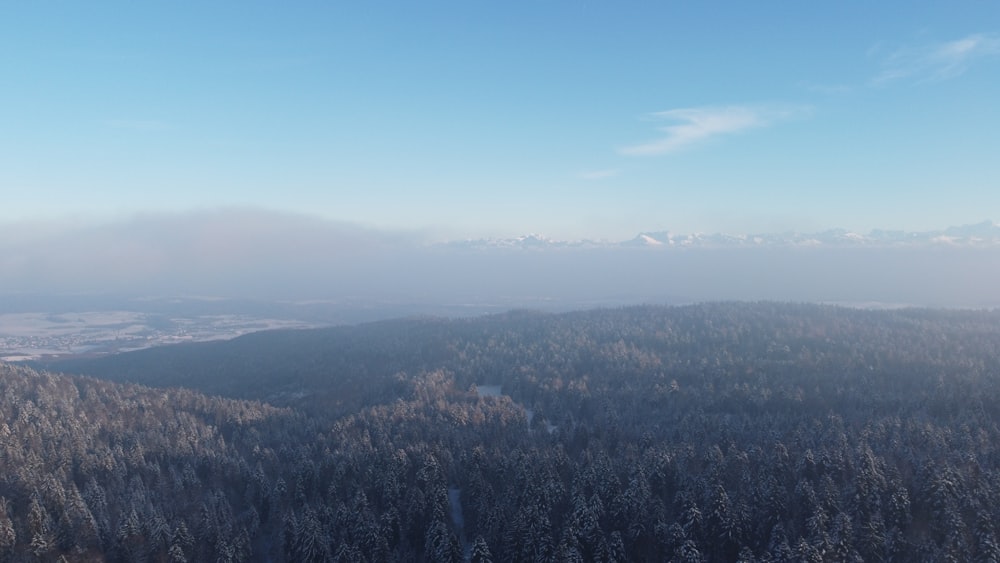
751 432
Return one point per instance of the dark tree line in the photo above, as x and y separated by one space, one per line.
720 432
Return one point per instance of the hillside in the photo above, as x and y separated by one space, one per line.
717 432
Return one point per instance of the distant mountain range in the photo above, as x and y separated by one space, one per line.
986 233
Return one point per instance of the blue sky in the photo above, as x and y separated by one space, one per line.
467 119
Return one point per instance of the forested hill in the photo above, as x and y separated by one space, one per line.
348 367
718 432
93 470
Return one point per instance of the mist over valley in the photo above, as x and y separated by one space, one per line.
518 282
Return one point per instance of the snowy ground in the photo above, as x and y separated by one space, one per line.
30 336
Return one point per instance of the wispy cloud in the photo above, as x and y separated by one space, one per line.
938 61
597 174
694 125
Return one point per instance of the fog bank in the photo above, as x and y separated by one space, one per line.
252 254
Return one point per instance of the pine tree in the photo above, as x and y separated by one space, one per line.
441 544
480 551
176 554
41 528
8 537
311 542
986 541
687 553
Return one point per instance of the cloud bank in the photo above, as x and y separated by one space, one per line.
262 255
224 251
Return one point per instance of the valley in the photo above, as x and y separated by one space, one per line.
44 336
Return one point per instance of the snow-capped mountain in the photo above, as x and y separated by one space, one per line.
986 233
530 241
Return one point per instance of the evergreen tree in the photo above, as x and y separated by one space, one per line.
480 551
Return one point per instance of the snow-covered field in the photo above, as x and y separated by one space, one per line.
30 336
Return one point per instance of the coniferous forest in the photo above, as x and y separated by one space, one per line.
717 432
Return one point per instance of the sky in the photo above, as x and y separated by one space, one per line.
574 119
